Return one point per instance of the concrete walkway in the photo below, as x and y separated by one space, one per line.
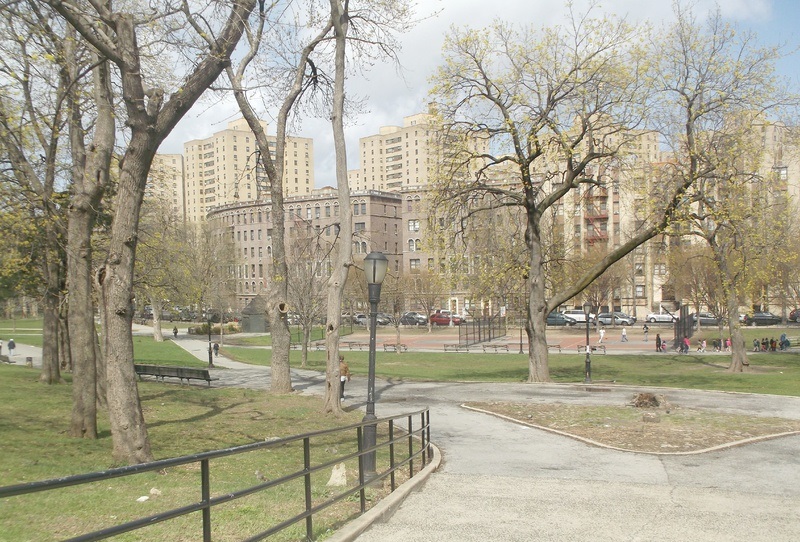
500 481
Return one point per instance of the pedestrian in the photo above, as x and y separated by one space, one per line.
344 375
728 344
216 349
658 342
11 346
701 347
756 346
685 345
602 333
175 331
624 335
646 331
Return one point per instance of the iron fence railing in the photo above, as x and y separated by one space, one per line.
399 447
481 330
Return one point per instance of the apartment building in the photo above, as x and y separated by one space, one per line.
312 225
165 182
223 169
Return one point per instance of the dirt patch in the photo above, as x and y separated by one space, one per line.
664 429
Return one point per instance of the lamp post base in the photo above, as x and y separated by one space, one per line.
370 438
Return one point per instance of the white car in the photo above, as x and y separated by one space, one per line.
579 316
654 317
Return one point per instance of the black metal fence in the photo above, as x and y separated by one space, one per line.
481 330
398 447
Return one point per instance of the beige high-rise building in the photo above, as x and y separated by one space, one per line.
221 169
166 184
396 157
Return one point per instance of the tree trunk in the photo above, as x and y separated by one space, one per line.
338 278
131 443
538 362
50 362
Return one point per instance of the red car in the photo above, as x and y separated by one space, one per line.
443 318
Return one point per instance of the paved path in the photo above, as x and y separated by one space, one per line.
500 481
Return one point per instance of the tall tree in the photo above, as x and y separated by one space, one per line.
302 76
719 85
550 109
151 112
33 113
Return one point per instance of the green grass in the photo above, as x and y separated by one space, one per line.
773 373
181 420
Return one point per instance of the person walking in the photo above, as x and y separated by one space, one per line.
602 333
658 342
216 349
175 331
11 346
646 331
624 335
344 375
686 344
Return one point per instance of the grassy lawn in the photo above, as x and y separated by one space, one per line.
774 373
181 420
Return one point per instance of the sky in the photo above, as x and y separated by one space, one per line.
392 93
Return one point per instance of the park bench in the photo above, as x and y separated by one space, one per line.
319 345
183 373
395 347
353 345
595 348
558 346
495 347
456 347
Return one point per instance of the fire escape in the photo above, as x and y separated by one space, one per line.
596 216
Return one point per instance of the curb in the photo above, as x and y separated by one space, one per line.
388 505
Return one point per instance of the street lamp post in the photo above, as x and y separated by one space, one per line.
587 311
210 351
375 266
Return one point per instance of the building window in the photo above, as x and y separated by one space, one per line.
361 226
639 290
414 265
413 225
363 207
355 208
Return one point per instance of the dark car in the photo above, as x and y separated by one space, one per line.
558 319
443 318
616 318
412 318
794 316
383 319
762 319
705 319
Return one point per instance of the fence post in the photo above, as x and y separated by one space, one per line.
307 479
391 452
205 495
410 447
360 438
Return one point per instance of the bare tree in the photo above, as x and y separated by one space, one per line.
151 114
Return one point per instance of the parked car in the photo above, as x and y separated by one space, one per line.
794 316
383 319
762 319
579 316
667 317
360 319
558 319
412 318
617 318
443 318
705 318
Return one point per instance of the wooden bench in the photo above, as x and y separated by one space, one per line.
354 345
549 346
395 347
495 347
183 373
319 345
595 348
456 347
